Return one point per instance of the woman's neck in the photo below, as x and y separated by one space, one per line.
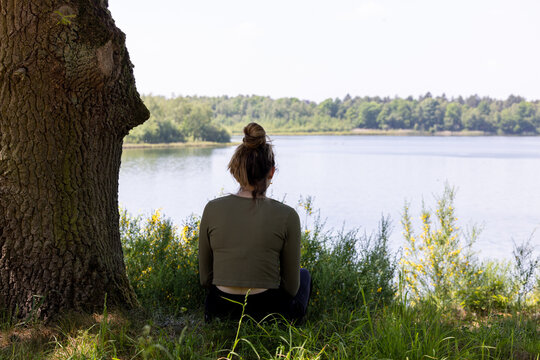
248 193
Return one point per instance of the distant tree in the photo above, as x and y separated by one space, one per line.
367 115
195 119
527 117
396 114
385 119
404 113
483 107
474 119
452 117
473 101
518 118
425 96
512 99
432 114
328 107
281 108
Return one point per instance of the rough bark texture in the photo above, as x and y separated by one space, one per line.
67 99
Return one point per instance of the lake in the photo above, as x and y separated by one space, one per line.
356 179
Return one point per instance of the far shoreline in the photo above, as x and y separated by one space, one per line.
189 144
353 132
392 132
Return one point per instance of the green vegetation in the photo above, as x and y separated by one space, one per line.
206 117
438 264
175 121
434 300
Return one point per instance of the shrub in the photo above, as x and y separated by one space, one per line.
526 267
161 263
439 262
490 289
156 131
348 270
215 133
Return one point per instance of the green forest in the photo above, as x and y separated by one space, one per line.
192 118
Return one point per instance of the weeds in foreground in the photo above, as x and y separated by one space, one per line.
397 331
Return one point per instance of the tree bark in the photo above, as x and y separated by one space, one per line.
67 99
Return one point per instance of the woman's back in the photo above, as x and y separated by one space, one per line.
252 242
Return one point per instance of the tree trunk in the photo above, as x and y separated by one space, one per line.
67 99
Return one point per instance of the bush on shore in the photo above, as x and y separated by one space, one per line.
349 269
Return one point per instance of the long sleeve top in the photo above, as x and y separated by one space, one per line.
250 243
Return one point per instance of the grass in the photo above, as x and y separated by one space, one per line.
362 307
398 331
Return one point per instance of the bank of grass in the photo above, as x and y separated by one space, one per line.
363 306
375 132
177 145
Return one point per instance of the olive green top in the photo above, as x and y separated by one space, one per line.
250 243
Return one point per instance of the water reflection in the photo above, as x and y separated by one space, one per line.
169 159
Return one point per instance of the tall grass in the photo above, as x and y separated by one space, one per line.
162 261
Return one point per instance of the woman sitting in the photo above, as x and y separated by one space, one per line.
250 244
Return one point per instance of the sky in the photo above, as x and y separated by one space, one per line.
314 50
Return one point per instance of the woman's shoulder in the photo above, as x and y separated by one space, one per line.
283 208
230 200
220 201
279 204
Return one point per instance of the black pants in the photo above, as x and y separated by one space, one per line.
271 301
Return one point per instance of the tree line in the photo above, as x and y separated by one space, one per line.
211 118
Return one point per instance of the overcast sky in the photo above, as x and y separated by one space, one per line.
314 49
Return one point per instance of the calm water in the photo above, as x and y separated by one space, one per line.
356 179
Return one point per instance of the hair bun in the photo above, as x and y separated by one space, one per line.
254 136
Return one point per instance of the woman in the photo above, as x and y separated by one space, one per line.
250 244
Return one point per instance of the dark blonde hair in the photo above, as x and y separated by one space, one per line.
253 159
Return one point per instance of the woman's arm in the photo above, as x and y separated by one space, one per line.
290 255
206 257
